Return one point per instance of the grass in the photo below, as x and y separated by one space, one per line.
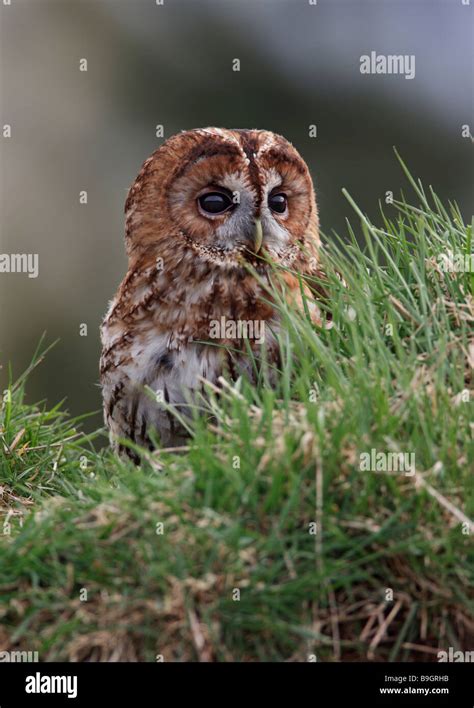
264 539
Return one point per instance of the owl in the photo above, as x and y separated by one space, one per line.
209 217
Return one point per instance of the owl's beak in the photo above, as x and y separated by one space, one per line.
257 235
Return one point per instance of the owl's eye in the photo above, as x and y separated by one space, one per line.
215 202
278 202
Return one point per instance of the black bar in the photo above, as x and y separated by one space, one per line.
312 684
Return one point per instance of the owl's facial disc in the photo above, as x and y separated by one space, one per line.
232 198
236 220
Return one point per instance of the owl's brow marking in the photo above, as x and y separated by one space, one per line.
280 157
213 146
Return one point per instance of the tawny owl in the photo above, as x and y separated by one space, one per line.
209 213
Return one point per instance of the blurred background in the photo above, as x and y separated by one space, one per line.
171 64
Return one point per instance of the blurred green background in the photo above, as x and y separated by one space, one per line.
171 65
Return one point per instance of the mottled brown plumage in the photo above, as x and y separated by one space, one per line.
188 269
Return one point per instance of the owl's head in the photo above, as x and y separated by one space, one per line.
226 194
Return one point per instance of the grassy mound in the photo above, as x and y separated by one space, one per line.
272 536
